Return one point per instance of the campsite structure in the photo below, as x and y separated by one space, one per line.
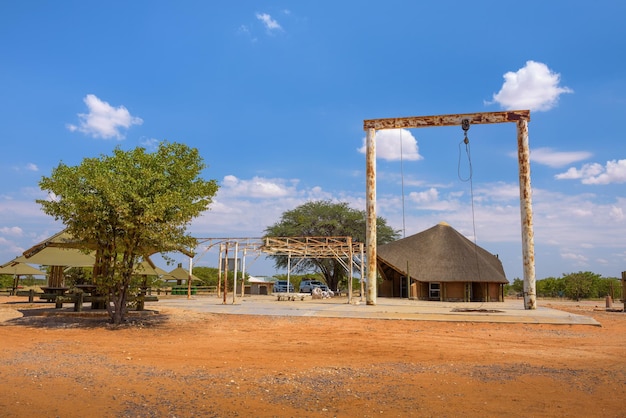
440 264
521 118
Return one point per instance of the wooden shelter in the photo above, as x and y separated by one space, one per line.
17 269
440 264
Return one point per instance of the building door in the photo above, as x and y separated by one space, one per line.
434 291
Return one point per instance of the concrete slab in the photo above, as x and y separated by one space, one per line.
510 311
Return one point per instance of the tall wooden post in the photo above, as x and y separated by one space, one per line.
219 270
189 278
624 289
370 233
225 290
528 246
235 273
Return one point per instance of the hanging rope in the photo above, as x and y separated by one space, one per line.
402 185
465 124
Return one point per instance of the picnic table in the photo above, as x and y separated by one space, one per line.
89 290
54 294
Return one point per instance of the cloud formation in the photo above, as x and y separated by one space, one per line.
613 172
534 87
103 120
388 145
269 23
257 187
556 159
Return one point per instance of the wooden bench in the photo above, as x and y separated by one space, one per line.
78 299
206 289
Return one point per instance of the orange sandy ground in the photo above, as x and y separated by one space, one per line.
179 363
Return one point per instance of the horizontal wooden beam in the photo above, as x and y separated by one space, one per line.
447 120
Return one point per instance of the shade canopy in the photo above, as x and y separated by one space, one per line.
64 239
16 268
147 268
441 254
180 273
55 256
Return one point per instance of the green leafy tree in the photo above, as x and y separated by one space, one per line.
551 287
515 288
580 285
611 286
209 276
126 206
323 219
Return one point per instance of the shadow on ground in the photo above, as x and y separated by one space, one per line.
62 318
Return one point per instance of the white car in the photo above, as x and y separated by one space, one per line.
307 286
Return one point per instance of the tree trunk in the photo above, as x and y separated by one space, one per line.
117 312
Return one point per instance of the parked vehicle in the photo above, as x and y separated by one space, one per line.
307 286
281 286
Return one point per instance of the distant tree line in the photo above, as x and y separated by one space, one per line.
575 286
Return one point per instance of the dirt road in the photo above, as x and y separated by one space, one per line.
181 363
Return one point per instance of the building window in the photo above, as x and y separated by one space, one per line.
434 291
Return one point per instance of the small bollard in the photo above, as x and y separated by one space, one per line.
609 301
78 302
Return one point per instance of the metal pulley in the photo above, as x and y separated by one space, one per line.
465 124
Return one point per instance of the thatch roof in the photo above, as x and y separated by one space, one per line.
441 254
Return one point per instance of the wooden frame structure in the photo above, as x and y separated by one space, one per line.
336 247
521 118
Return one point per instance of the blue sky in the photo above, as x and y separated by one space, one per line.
274 95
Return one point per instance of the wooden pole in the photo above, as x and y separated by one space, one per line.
350 265
528 245
219 270
189 278
370 233
235 273
243 272
624 289
225 290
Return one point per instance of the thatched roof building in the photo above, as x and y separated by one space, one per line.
441 264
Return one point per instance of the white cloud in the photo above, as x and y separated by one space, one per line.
103 120
257 187
388 145
150 144
594 173
533 87
577 259
616 214
556 159
270 24
15 231
428 196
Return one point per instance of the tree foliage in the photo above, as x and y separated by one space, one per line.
323 219
129 205
579 285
